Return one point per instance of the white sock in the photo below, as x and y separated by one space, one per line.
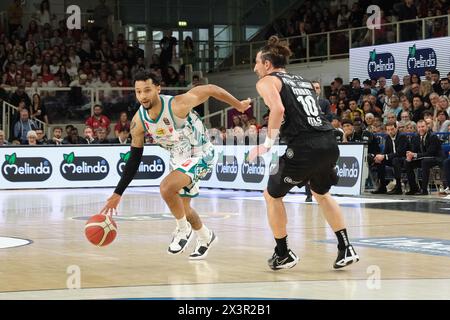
203 234
182 224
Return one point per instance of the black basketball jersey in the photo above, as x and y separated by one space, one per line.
302 114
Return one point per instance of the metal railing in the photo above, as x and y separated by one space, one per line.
336 44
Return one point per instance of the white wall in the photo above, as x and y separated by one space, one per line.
241 83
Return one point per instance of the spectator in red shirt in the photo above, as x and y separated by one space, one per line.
122 124
98 120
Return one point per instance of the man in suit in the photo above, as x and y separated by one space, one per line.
426 153
394 155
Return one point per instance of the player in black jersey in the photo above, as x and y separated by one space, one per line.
311 153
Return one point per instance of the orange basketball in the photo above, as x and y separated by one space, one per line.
100 230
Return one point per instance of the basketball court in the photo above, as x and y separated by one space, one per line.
403 243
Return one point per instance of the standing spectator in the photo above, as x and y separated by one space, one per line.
22 126
38 110
188 51
20 95
408 11
43 15
102 15
98 120
167 44
323 103
15 14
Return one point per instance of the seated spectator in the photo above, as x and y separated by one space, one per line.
3 141
22 126
41 137
98 120
418 108
251 136
394 155
442 122
123 137
355 134
425 153
89 135
122 124
31 138
74 138
57 138
101 136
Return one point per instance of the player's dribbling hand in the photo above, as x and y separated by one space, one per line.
111 205
256 151
245 104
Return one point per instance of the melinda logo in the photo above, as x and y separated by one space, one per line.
380 65
16 169
226 168
253 172
83 168
151 167
348 171
421 59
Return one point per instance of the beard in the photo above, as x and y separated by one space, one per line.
148 105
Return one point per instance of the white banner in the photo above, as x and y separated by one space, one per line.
401 59
101 166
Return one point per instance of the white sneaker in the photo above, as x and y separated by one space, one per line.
201 250
180 240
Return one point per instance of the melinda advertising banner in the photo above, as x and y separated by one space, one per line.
401 59
102 166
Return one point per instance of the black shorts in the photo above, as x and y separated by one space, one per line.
313 161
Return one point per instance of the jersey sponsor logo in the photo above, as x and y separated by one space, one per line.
187 163
421 59
74 168
380 65
348 171
166 121
160 132
150 167
15 169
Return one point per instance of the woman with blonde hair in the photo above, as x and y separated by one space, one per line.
425 90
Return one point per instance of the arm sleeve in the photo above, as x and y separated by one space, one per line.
131 167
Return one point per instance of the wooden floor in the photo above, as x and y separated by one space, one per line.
136 264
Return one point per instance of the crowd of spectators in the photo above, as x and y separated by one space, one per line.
323 16
45 54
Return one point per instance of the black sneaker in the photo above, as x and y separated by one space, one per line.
201 250
346 257
285 262
308 199
180 240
